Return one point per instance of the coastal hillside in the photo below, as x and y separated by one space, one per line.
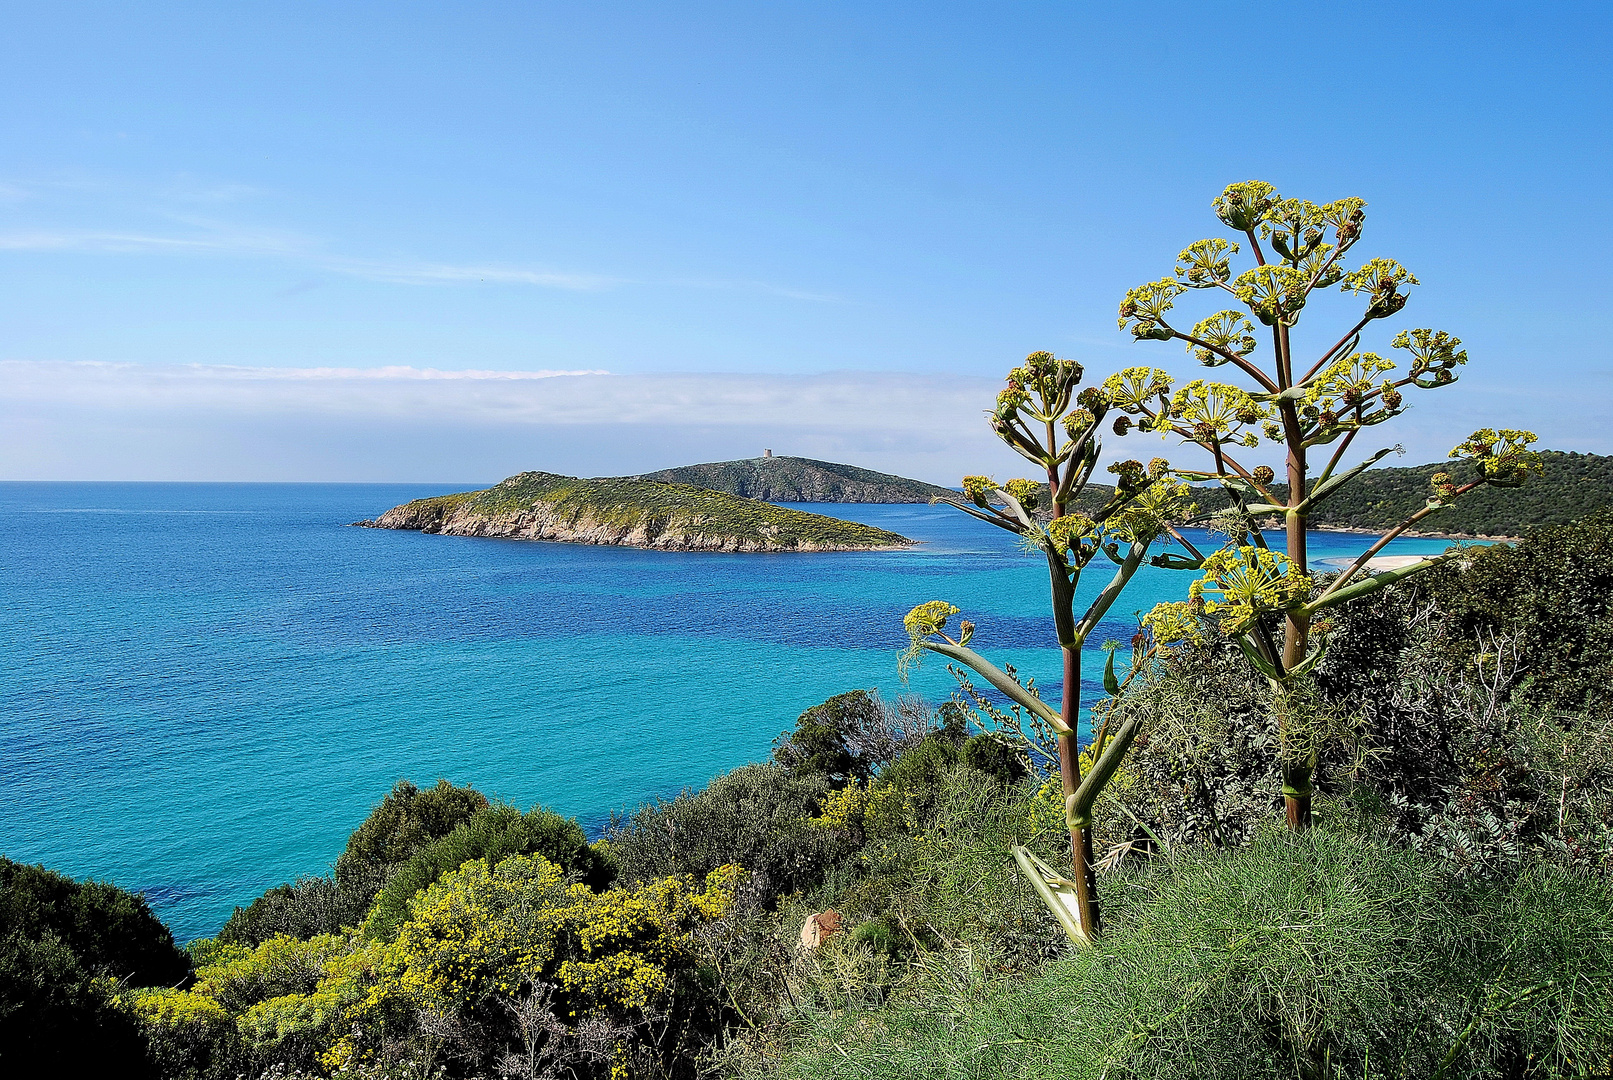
631 513
1574 486
798 479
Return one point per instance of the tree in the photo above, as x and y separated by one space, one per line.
1040 403
1247 586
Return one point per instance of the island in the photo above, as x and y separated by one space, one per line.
799 479
631 513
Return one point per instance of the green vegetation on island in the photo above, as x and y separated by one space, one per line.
634 513
798 479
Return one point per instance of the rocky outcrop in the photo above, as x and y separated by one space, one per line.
631 513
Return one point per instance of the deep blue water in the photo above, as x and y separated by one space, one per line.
207 686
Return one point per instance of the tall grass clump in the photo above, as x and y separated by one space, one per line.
1316 955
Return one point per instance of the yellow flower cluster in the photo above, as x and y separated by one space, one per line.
1229 331
1135 387
927 619
875 807
978 488
1503 457
1249 581
1219 413
476 933
1145 517
1173 623
1028 493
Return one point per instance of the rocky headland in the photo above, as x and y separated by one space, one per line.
631 512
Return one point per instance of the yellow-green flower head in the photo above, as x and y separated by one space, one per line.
1503 457
1218 412
1229 330
1272 430
1145 517
1249 581
1344 217
978 488
1144 307
928 619
1204 263
1158 467
1346 380
1132 388
1435 356
1027 492
1274 293
1010 400
1066 533
1094 400
1244 206
1173 623
1130 472
1077 421
1263 474
1293 228
1380 280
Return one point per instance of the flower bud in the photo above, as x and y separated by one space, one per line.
1263 474
1122 424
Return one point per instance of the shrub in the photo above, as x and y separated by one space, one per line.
853 735
64 948
491 835
505 967
755 817
1553 593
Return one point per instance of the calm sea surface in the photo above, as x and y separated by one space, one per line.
207 686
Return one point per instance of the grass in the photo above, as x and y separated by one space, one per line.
1322 956
658 508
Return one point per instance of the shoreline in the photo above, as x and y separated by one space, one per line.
1415 535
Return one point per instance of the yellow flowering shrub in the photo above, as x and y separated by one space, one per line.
876 808
476 935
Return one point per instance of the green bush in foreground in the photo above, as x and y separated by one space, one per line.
1316 956
64 946
492 834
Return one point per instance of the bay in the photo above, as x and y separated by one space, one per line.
207 686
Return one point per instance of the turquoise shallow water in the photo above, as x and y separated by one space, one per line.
209 685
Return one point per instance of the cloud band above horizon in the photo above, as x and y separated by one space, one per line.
110 421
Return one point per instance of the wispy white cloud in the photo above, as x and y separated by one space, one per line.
85 420
178 218
137 421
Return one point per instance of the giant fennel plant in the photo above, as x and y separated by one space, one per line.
1259 595
1043 418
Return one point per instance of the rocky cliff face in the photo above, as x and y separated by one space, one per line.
796 479
631 513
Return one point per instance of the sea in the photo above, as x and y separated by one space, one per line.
208 686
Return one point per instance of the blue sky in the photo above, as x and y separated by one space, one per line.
314 242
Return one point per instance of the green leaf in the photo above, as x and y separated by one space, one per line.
1308 664
1333 483
1254 657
